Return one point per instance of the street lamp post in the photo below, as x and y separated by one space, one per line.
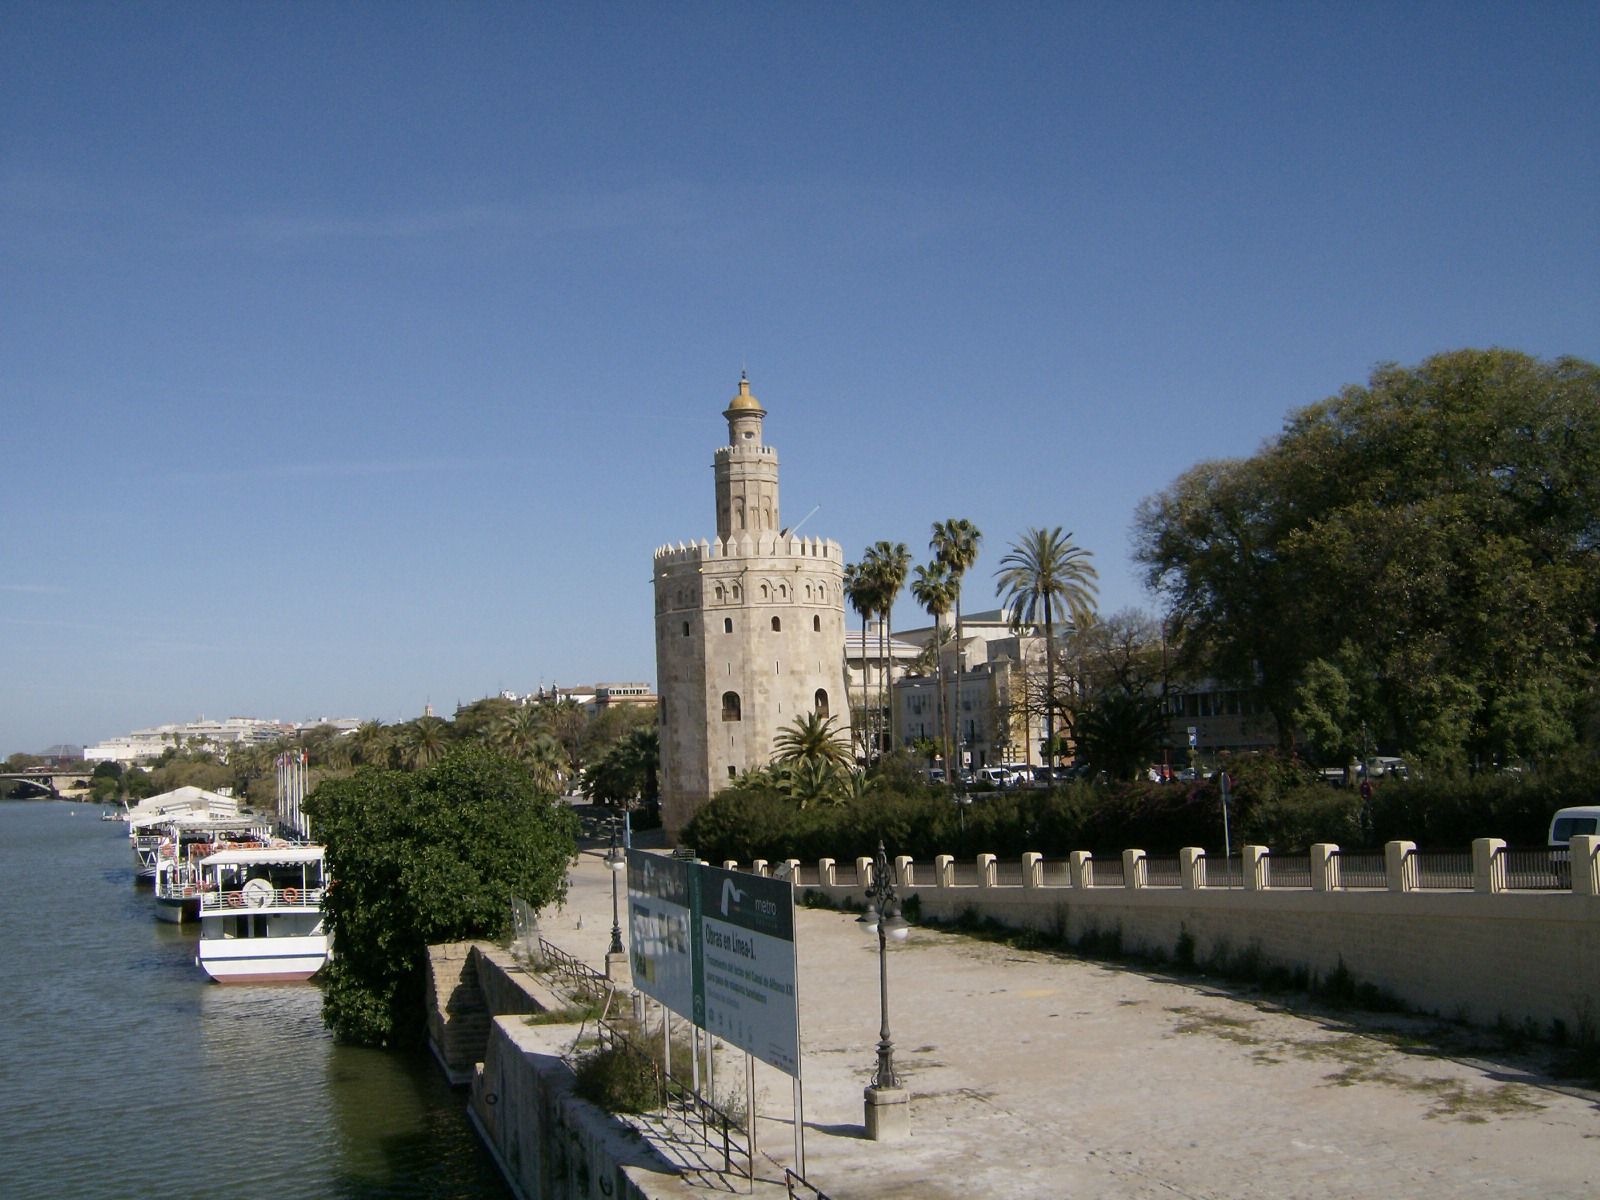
888 1107
618 862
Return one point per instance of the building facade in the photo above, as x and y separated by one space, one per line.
749 628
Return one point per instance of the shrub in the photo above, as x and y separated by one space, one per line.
619 1080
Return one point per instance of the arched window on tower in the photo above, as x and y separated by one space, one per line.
816 624
727 624
777 625
738 592
766 592
820 702
719 593
730 706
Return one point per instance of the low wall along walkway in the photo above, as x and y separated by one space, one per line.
1473 946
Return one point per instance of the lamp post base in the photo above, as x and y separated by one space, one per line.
888 1114
616 963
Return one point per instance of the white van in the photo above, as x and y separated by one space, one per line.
1567 824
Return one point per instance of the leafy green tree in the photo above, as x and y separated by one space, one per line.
424 857
1444 520
1121 732
1043 576
627 771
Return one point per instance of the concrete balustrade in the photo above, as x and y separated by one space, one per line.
1400 866
944 870
1032 870
986 871
825 874
1584 857
904 871
1192 868
759 866
1135 869
1488 865
864 870
1255 860
1324 867
1080 869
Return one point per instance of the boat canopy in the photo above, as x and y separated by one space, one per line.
263 855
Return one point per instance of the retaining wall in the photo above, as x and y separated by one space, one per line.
1482 955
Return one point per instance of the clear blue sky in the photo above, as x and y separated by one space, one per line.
358 356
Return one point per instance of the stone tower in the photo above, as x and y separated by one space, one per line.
749 628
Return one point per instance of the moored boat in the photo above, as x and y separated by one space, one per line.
188 840
261 914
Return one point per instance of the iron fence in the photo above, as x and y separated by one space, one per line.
1362 870
1444 869
1529 870
1288 871
1108 873
1163 872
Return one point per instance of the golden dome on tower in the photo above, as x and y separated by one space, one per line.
744 401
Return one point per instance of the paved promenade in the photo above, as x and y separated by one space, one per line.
1036 1075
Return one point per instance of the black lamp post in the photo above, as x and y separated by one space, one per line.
883 918
616 860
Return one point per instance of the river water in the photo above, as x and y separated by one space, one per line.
125 1073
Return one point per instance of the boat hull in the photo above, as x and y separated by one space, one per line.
263 959
177 910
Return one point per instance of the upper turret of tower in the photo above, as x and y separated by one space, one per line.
744 413
746 470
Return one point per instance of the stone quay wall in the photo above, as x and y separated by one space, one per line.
1480 953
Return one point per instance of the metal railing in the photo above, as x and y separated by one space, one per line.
260 899
1163 872
576 977
799 1188
1363 870
1442 869
1529 870
1289 871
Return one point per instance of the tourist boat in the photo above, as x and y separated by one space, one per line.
261 914
185 842
147 817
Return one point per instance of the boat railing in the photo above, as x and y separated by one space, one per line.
240 900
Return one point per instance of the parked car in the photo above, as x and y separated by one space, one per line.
1567 824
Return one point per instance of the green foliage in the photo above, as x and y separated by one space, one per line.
1274 802
1418 555
424 857
1121 732
619 1080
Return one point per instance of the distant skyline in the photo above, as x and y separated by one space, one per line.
357 357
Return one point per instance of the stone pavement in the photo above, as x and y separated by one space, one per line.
1041 1075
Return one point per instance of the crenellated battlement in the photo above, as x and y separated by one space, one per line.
750 546
746 451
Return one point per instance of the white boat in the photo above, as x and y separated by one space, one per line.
145 818
261 914
188 840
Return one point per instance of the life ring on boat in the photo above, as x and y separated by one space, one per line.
291 895
236 899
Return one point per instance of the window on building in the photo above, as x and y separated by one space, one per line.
737 591
777 625
730 706
820 702
733 772
816 624
719 593
686 629
727 624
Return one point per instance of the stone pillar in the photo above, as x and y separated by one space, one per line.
1488 865
1400 866
730 864
1192 867
794 869
904 871
1080 869
1135 871
1032 869
759 866
1585 855
824 872
888 1114
986 870
1255 862
1324 867
941 869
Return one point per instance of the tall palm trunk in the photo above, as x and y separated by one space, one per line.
1049 688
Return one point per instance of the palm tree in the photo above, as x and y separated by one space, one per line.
888 563
955 544
934 590
1044 574
373 741
810 738
861 589
422 742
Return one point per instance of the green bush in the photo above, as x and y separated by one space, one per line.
619 1080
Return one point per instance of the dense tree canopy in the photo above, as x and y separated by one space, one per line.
1416 561
422 857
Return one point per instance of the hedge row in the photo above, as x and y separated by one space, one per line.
1272 803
